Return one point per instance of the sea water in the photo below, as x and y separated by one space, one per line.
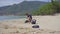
11 17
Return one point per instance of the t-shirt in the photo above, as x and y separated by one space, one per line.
29 16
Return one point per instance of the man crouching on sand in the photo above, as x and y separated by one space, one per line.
29 17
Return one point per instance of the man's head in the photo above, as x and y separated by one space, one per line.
27 14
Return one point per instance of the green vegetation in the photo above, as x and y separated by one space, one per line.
48 9
34 7
21 8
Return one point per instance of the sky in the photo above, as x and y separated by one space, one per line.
11 2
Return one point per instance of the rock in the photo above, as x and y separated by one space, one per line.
33 21
35 26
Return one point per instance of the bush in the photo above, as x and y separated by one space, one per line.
47 9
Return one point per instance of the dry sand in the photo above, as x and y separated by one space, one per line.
48 25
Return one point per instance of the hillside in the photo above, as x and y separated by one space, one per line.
21 8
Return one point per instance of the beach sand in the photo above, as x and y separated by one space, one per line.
47 25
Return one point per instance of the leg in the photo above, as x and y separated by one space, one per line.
26 21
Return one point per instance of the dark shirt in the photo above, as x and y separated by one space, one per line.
29 16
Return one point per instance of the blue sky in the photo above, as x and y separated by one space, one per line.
10 2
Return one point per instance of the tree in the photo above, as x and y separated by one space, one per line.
48 9
55 5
